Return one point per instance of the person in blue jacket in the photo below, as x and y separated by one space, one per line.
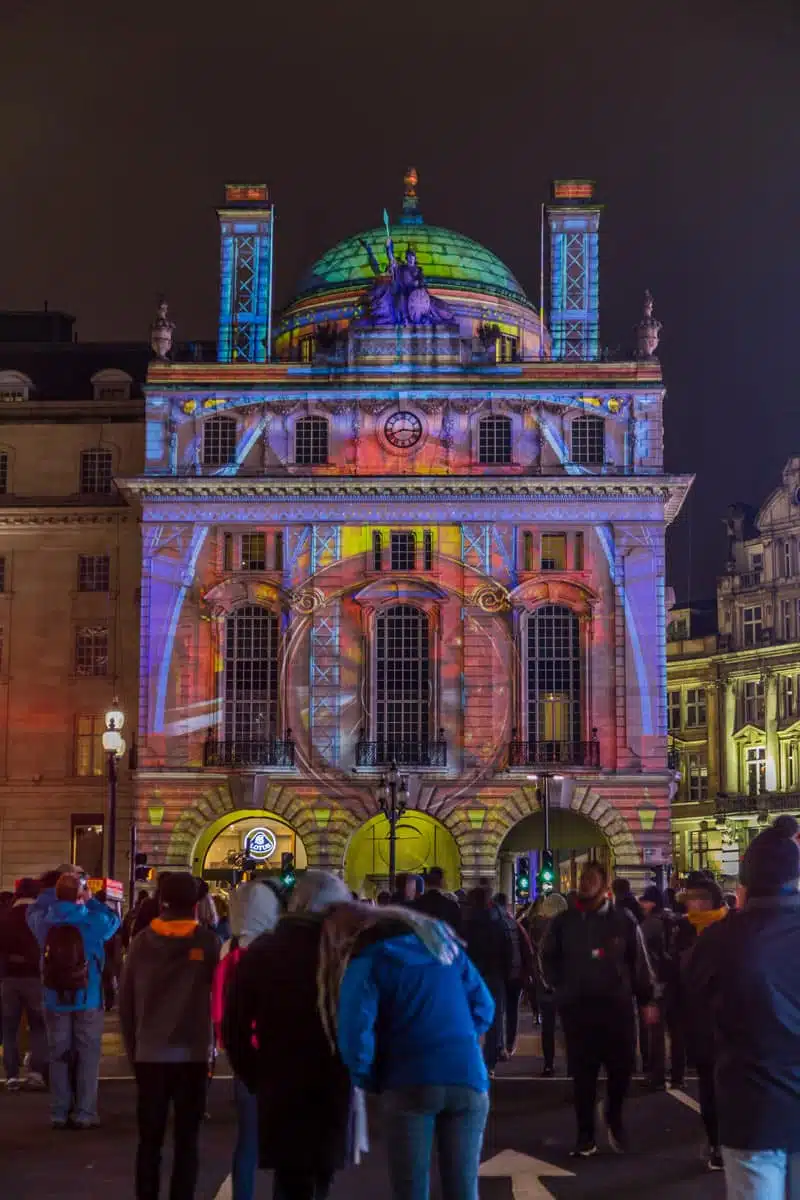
412 1010
74 1018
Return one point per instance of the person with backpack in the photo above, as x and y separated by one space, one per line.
72 928
21 990
165 1018
253 909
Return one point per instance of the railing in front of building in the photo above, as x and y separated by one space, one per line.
273 752
423 752
760 802
554 754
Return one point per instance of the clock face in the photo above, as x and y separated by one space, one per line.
403 430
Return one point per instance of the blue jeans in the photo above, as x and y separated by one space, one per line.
23 995
452 1116
74 1040
245 1152
761 1174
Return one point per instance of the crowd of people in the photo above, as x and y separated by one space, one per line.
320 999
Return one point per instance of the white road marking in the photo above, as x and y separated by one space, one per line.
132 1078
226 1191
524 1172
685 1098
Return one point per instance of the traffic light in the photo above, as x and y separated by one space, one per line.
522 879
288 876
546 878
141 871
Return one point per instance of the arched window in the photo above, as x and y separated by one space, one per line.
494 440
402 675
589 441
311 441
251 682
219 442
554 684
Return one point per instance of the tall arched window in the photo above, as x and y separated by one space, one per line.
589 441
251 681
311 441
494 440
219 441
402 670
554 684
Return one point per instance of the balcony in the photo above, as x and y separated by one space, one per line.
763 803
270 753
554 754
424 752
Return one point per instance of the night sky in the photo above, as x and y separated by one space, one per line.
120 124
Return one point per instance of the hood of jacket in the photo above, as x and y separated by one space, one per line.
67 912
408 949
254 910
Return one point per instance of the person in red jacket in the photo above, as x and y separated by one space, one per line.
21 990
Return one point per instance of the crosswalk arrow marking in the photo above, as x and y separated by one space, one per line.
524 1172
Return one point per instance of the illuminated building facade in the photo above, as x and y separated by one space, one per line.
733 705
415 526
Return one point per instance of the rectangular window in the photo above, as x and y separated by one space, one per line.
403 552
254 552
86 843
755 766
227 552
278 551
311 441
752 625
94 572
377 551
578 551
527 551
753 702
427 550
677 852
89 758
791 764
787 559
698 850
695 706
91 650
697 777
554 552
96 472
3 473
494 440
673 710
2 574
788 694
786 620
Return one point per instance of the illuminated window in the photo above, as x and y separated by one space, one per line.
427 550
527 551
674 710
588 441
91 650
311 441
94 572
755 769
506 348
402 711
251 677
578 551
254 552
752 627
377 551
697 777
677 851
278 551
3 473
791 764
788 695
219 442
308 348
753 697
695 707
554 552
494 440
698 850
96 472
403 550
89 757
554 679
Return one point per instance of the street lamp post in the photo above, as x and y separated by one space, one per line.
114 747
393 800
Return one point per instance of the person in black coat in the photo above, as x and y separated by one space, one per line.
436 903
489 947
303 1087
747 968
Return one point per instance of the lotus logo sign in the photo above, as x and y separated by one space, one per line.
260 843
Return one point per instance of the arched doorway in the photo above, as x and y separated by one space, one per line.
422 842
265 836
574 839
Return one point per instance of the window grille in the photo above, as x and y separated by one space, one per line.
219 441
311 441
554 675
403 552
251 675
96 472
588 441
494 440
402 675
94 572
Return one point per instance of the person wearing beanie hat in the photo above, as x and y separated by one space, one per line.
656 930
746 969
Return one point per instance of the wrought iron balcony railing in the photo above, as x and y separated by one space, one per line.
422 752
763 802
273 752
554 754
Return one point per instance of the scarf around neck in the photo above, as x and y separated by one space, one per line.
702 920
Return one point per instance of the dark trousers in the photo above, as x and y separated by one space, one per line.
677 1045
653 1048
708 1101
301 1184
513 991
183 1085
494 1040
599 1034
547 1009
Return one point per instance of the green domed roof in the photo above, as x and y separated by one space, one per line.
448 259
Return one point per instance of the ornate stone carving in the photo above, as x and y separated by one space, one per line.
162 331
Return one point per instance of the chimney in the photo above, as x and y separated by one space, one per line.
574 277
245 285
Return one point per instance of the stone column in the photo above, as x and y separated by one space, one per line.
713 695
731 780
771 726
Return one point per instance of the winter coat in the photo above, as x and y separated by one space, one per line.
18 945
489 946
408 1020
688 1006
254 910
597 955
302 1085
747 969
96 924
657 931
441 906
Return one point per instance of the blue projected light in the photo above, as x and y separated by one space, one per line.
245 287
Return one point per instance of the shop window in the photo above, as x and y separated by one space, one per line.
89 756
554 552
86 843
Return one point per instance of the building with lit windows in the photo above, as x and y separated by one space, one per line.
733 709
405 521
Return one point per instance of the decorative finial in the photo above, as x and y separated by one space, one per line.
411 214
648 331
162 331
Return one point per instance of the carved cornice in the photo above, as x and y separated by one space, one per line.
61 518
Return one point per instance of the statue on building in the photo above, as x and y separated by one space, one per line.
400 295
162 331
648 331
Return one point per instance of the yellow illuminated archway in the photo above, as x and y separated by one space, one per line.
232 827
422 842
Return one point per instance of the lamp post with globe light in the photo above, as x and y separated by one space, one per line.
393 801
114 747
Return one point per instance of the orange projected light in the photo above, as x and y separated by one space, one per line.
573 189
246 193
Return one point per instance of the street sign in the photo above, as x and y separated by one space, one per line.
524 1172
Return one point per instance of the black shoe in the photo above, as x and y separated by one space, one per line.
677 1083
654 1085
616 1135
715 1162
60 1125
548 1072
584 1149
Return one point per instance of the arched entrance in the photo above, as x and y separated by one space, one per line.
574 839
265 836
422 842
